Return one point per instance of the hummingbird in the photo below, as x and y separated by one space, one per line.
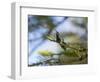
60 41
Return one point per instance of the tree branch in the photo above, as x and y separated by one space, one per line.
39 63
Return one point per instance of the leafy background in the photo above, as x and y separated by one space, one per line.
43 29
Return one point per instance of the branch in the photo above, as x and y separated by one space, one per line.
39 63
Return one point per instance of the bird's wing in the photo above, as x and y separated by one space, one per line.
58 39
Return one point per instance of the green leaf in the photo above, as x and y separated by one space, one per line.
45 53
71 53
51 38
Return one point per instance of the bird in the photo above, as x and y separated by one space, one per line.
60 41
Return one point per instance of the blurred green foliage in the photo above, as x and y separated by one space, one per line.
73 50
41 21
46 53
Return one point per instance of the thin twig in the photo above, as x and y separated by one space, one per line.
39 63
